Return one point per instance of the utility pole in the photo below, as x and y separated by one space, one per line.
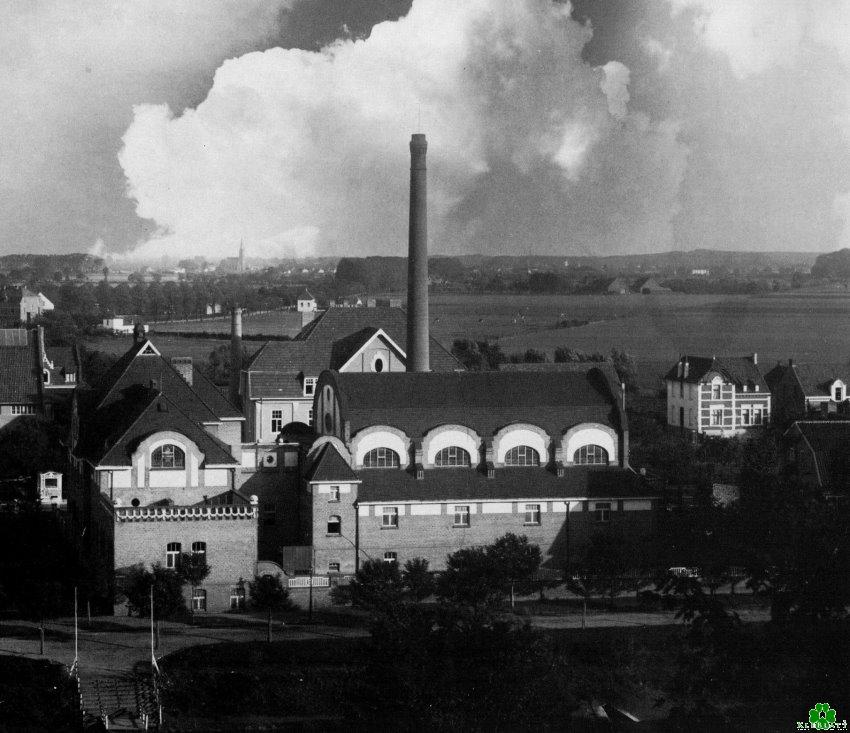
312 570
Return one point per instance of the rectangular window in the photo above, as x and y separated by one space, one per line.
757 417
23 409
310 386
277 421
715 391
461 518
199 599
172 555
333 567
290 458
532 513
334 495
682 389
745 417
603 511
389 517
390 557
237 598
310 416
51 483
717 416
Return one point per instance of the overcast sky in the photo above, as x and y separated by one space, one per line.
178 127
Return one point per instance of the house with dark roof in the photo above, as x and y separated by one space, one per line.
21 392
649 286
816 455
718 396
278 383
306 302
808 391
421 464
155 453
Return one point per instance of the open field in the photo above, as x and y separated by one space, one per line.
804 325
268 323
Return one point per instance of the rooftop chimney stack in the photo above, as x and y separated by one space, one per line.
235 355
417 260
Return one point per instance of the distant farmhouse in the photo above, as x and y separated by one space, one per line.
22 306
644 285
717 396
806 391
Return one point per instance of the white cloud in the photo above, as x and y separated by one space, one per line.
288 142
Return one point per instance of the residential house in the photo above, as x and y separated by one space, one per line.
801 391
717 396
33 305
21 390
154 461
815 453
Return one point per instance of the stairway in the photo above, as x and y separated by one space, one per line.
120 701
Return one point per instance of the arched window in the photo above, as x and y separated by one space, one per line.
381 458
454 455
591 455
334 524
172 555
168 456
522 455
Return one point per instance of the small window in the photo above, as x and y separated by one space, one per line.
390 557
717 416
532 513
172 555
746 417
334 493
45 375
199 549
591 455
333 567
328 422
461 518
381 458
199 599
23 409
51 483
237 598
681 389
168 456
452 456
839 394
603 511
277 421
334 524
716 391
310 416
389 517
378 364
310 386
522 455
70 378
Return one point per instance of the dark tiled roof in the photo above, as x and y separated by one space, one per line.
121 425
560 366
306 295
202 401
276 370
484 401
330 466
816 379
19 379
738 369
469 484
829 440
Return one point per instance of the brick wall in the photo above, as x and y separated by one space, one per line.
231 549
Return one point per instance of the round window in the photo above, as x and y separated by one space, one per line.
378 365
328 422
135 502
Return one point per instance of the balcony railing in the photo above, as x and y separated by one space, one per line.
185 513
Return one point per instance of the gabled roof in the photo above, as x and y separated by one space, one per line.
329 465
19 379
141 365
121 425
346 349
484 401
737 369
329 341
306 295
815 380
470 484
828 440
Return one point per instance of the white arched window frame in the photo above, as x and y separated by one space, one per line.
520 434
590 434
380 436
452 456
447 436
522 455
591 455
381 457
168 455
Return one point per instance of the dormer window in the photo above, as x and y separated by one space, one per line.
310 386
168 456
45 376
838 392
716 388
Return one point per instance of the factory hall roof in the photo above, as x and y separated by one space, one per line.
483 401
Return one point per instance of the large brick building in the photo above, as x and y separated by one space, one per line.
154 473
420 464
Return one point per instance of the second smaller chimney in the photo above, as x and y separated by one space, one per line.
183 365
235 355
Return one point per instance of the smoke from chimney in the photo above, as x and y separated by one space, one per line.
235 355
417 260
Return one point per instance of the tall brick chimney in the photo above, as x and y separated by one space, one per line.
235 354
417 260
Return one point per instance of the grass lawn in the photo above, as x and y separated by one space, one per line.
764 679
36 695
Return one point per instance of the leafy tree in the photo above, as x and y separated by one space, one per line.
417 578
377 587
268 594
29 445
608 559
168 600
193 569
519 560
626 368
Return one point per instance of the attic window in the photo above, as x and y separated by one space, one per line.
838 393
168 456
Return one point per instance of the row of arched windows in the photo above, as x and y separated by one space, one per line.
455 456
